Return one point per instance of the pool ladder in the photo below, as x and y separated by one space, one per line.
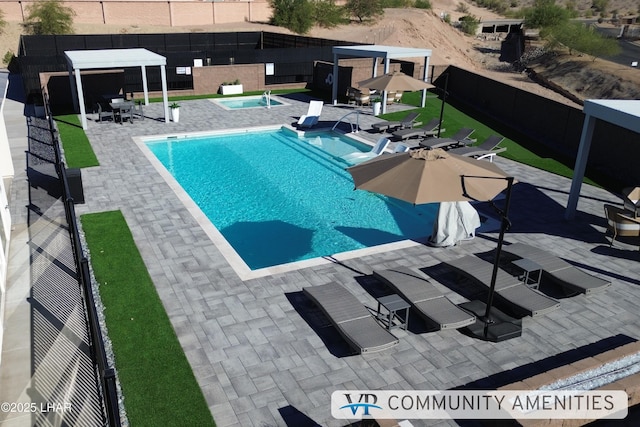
354 126
267 98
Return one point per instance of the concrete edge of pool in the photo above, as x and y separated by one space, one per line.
228 252
220 102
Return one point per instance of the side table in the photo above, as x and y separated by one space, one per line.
529 267
393 304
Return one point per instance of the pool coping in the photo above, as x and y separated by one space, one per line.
216 101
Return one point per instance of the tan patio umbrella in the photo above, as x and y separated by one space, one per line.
395 81
430 176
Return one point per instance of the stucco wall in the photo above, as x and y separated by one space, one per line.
152 12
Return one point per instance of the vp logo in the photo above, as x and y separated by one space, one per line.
366 401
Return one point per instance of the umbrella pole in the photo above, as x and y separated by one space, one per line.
444 98
503 227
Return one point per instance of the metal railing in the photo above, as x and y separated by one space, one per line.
105 372
354 126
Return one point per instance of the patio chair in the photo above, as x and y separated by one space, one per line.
457 139
104 114
511 290
363 97
352 319
429 129
620 223
405 123
313 115
558 269
425 298
485 150
359 157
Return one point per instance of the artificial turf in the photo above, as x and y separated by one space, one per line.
157 381
77 149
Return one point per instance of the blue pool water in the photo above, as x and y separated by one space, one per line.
247 102
277 198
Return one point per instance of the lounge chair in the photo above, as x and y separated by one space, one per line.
352 319
558 269
359 157
457 139
509 288
404 123
313 115
425 298
428 129
485 150
621 223
401 148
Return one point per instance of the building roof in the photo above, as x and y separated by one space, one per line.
379 51
113 58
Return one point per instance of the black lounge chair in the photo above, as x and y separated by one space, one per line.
558 269
352 319
405 123
485 150
425 298
429 129
509 288
459 138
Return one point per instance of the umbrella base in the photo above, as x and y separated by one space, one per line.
502 327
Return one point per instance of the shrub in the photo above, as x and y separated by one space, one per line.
462 8
295 15
422 4
469 24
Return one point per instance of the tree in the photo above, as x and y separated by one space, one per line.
576 36
295 15
469 24
545 13
327 14
49 17
364 9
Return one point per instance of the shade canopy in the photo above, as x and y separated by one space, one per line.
429 176
620 112
78 60
396 82
386 54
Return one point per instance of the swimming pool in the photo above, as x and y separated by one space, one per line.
278 197
243 102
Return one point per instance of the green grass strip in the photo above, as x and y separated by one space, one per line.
157 381
77 149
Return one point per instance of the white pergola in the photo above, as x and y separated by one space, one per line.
623 113
78 60
387 53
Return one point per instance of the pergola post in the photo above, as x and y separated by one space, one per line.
580 166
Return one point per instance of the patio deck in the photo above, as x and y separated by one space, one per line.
264 356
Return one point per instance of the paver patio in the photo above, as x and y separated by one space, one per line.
262 353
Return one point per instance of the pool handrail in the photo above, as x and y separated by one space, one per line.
266 95
354 128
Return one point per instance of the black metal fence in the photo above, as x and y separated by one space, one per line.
293 55
106 373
